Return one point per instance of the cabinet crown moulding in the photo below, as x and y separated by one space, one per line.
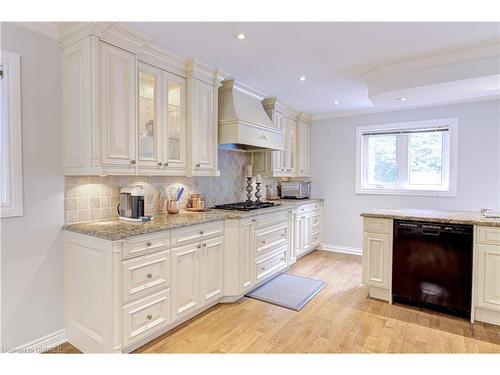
204 72
272 104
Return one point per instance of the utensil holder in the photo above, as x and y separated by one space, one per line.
172 206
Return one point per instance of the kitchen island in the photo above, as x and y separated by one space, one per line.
378 237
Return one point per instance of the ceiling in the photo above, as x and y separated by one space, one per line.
333 57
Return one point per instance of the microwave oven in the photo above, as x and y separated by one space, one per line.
296 189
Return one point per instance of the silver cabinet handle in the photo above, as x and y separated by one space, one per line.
149 317
201 232
253 220
149 244
132 162
204 245
165 164
149 275
198 165
198 246
160 164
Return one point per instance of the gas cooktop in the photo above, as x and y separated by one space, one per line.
244 206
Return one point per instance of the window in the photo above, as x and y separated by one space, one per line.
11 187
411 158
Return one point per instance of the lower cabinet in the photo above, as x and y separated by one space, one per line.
185 279
197 276
377 257
145 317
211 270
487 275
307 229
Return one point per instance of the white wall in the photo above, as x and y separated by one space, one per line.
31 245
333 162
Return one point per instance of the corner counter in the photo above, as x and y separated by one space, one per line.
378 253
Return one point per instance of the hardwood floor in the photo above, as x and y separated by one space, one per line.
340 319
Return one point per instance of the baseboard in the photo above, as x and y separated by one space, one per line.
41 344
341 249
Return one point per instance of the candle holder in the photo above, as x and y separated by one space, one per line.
258 194
249 189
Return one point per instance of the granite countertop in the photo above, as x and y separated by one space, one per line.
437 216
116 230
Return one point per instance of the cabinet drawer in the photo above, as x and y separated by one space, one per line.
194 233
315 239
140 245
270 219
315 221
375 225
305 208
268 266
488 235
269 238
145 317
145 274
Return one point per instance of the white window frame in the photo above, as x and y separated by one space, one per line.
11 175
449 158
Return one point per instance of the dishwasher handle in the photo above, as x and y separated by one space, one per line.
431 230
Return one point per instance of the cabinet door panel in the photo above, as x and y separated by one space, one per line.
211 270
303 151
488 276
149 126
205 131
376 261
185 280
247 258
175 138
118 106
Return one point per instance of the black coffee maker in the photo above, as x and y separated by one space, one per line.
131 206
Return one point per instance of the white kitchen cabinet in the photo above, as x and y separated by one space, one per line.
487 275
130 109
118 103
293 240
161 128
377 256
202 124
247 257
303 149
307 228
212 270
301 234
185 280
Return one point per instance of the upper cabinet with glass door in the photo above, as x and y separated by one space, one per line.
149 120
162 124
174 141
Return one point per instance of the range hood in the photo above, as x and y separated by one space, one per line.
243 122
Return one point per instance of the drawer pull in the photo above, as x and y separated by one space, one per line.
263 241
204 245
149 244
262 268
202 232
198 246
149 275
149 317
282 235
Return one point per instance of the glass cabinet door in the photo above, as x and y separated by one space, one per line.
176 122
148 78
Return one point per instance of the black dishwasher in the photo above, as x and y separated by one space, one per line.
432 266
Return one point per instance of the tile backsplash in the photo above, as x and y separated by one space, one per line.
90 198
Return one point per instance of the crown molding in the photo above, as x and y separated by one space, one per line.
47 29
374 110
478 53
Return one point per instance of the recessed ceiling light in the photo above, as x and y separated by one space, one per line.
403 99
241 36
301 78
336 102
